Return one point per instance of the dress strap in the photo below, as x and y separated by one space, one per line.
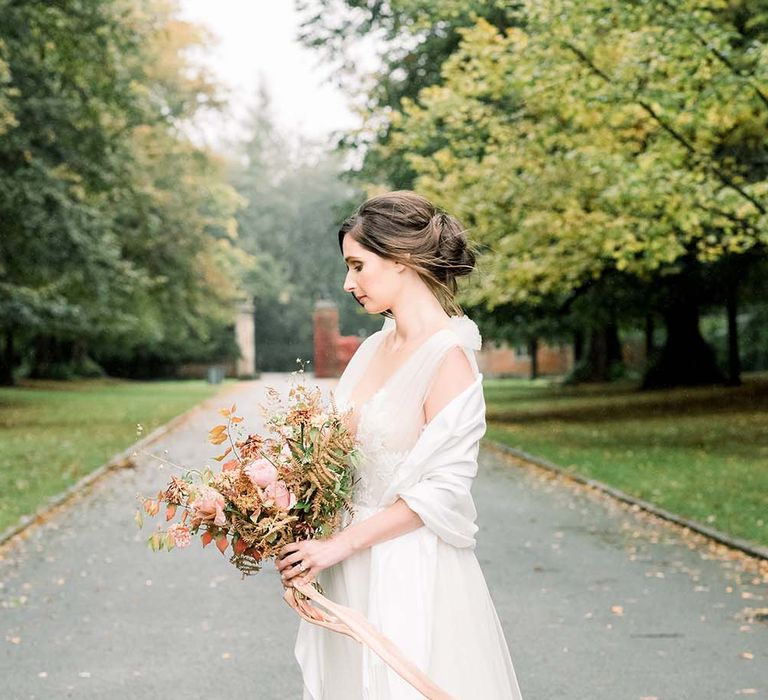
413 385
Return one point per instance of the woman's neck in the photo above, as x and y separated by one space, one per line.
416 319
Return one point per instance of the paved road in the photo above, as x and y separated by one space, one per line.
597 601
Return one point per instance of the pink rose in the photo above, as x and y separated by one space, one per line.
180 534
261 472
283 498
286 452
209 507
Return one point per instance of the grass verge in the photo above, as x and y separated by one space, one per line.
54 433
700 452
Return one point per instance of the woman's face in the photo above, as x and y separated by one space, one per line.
374 280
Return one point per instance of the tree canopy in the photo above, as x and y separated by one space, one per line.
592 147
117 230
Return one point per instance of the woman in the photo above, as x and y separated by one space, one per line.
405 558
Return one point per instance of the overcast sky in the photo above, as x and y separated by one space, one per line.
257 44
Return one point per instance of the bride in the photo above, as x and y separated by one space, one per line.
405 558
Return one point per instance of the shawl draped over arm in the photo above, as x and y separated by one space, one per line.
436 476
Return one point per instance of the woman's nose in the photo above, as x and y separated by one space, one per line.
348 286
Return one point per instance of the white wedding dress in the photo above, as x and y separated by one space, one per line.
424 590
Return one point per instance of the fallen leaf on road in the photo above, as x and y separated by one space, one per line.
755 614
617 609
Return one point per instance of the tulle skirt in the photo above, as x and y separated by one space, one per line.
431 599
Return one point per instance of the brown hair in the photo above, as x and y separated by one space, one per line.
406 227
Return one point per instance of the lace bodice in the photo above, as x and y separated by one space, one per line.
391 420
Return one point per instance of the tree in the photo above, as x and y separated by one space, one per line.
567 151
112 221
413 39
297 200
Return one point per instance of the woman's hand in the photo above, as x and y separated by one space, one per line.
315 555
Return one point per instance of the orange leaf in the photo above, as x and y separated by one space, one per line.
255 553
239 546
224 412
224 454
230 465
170 511
234 406
237 419
222 543
206 537
151 506
218 439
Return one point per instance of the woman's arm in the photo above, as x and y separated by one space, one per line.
395 520
318 554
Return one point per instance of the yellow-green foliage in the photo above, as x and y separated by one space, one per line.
603 136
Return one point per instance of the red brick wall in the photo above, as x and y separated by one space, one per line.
499 359
332 351
346 346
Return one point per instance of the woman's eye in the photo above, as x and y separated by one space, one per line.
357 268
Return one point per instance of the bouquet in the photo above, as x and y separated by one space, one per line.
290 484
294 483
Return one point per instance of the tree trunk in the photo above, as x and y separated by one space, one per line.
649 346
603 353
8 360
685 359
52 357
42 357
578 346
734 363
533 352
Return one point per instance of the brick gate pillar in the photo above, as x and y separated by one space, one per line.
325 320
245 333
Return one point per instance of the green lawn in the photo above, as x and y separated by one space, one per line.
53 433
701 453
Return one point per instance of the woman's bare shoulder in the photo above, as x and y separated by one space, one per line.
454 375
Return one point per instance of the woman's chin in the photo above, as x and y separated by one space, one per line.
370 307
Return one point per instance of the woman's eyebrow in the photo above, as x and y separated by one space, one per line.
350 257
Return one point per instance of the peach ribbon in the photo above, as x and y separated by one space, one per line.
344 620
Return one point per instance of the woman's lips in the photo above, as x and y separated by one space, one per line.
362 298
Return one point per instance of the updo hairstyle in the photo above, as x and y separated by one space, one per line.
405 227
